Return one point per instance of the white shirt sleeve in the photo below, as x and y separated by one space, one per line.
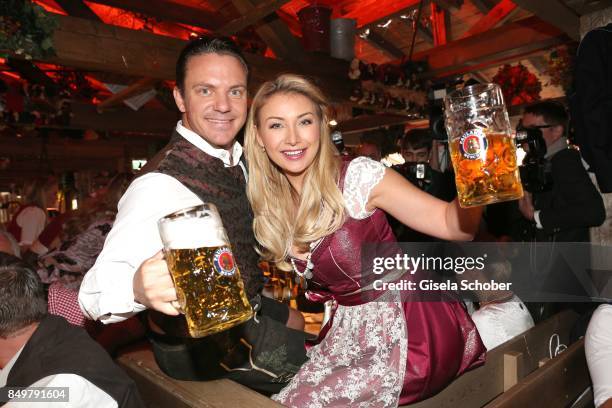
107 293
32 221
81 393
598 350
362 175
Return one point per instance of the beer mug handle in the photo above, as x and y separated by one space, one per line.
175 303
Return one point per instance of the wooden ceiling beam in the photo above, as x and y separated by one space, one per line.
371 12
165 11
31 72
498 15
257 13
425 33
439 24
509 41
123 119
273 32
140 53
484 6
137 88
449 5
379 41
421 29
556 13
78 9
369 122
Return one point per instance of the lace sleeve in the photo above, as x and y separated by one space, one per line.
362 175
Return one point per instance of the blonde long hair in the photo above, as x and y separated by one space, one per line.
320 208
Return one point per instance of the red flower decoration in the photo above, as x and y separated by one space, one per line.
518 84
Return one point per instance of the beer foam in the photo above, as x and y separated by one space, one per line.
192 232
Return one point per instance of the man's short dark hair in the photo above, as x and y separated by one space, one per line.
206 45
22 296
417 139
552 112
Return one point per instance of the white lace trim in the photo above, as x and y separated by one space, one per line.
362 175
361 362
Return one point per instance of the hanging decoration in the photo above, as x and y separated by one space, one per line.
25 29
561 67
29 105
390 86
518 84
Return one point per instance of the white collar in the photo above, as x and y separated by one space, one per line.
199 142
4 372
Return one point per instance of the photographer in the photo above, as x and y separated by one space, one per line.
565 203
416 149
559 205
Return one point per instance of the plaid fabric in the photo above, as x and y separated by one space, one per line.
64 302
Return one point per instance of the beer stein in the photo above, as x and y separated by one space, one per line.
482 146
205 274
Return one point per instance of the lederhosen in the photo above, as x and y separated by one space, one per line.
57 347
276 351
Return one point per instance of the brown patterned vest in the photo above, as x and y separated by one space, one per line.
211 181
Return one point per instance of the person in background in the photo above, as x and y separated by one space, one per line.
501 314
565 209
83 237
416 149
562 210
31 218
41 350
598 350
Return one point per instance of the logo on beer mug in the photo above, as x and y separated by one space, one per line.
224 261
473 144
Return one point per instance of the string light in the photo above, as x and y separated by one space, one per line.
386 24
365 33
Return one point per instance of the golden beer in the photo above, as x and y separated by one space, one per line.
209 289
482 148
486 169
205 274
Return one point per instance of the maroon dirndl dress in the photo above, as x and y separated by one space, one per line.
377 350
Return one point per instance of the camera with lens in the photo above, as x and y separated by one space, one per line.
418 174
535 173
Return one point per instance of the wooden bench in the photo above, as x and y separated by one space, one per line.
517 374
160 391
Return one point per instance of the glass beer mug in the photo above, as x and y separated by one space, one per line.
205 274
482 146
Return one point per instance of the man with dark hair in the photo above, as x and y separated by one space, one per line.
561 210
564 211
416 149
41 350
202 163
416 146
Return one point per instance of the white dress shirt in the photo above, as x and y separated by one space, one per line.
107 293
81 392
499 322
598 350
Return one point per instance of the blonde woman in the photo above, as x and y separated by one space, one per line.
313 211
